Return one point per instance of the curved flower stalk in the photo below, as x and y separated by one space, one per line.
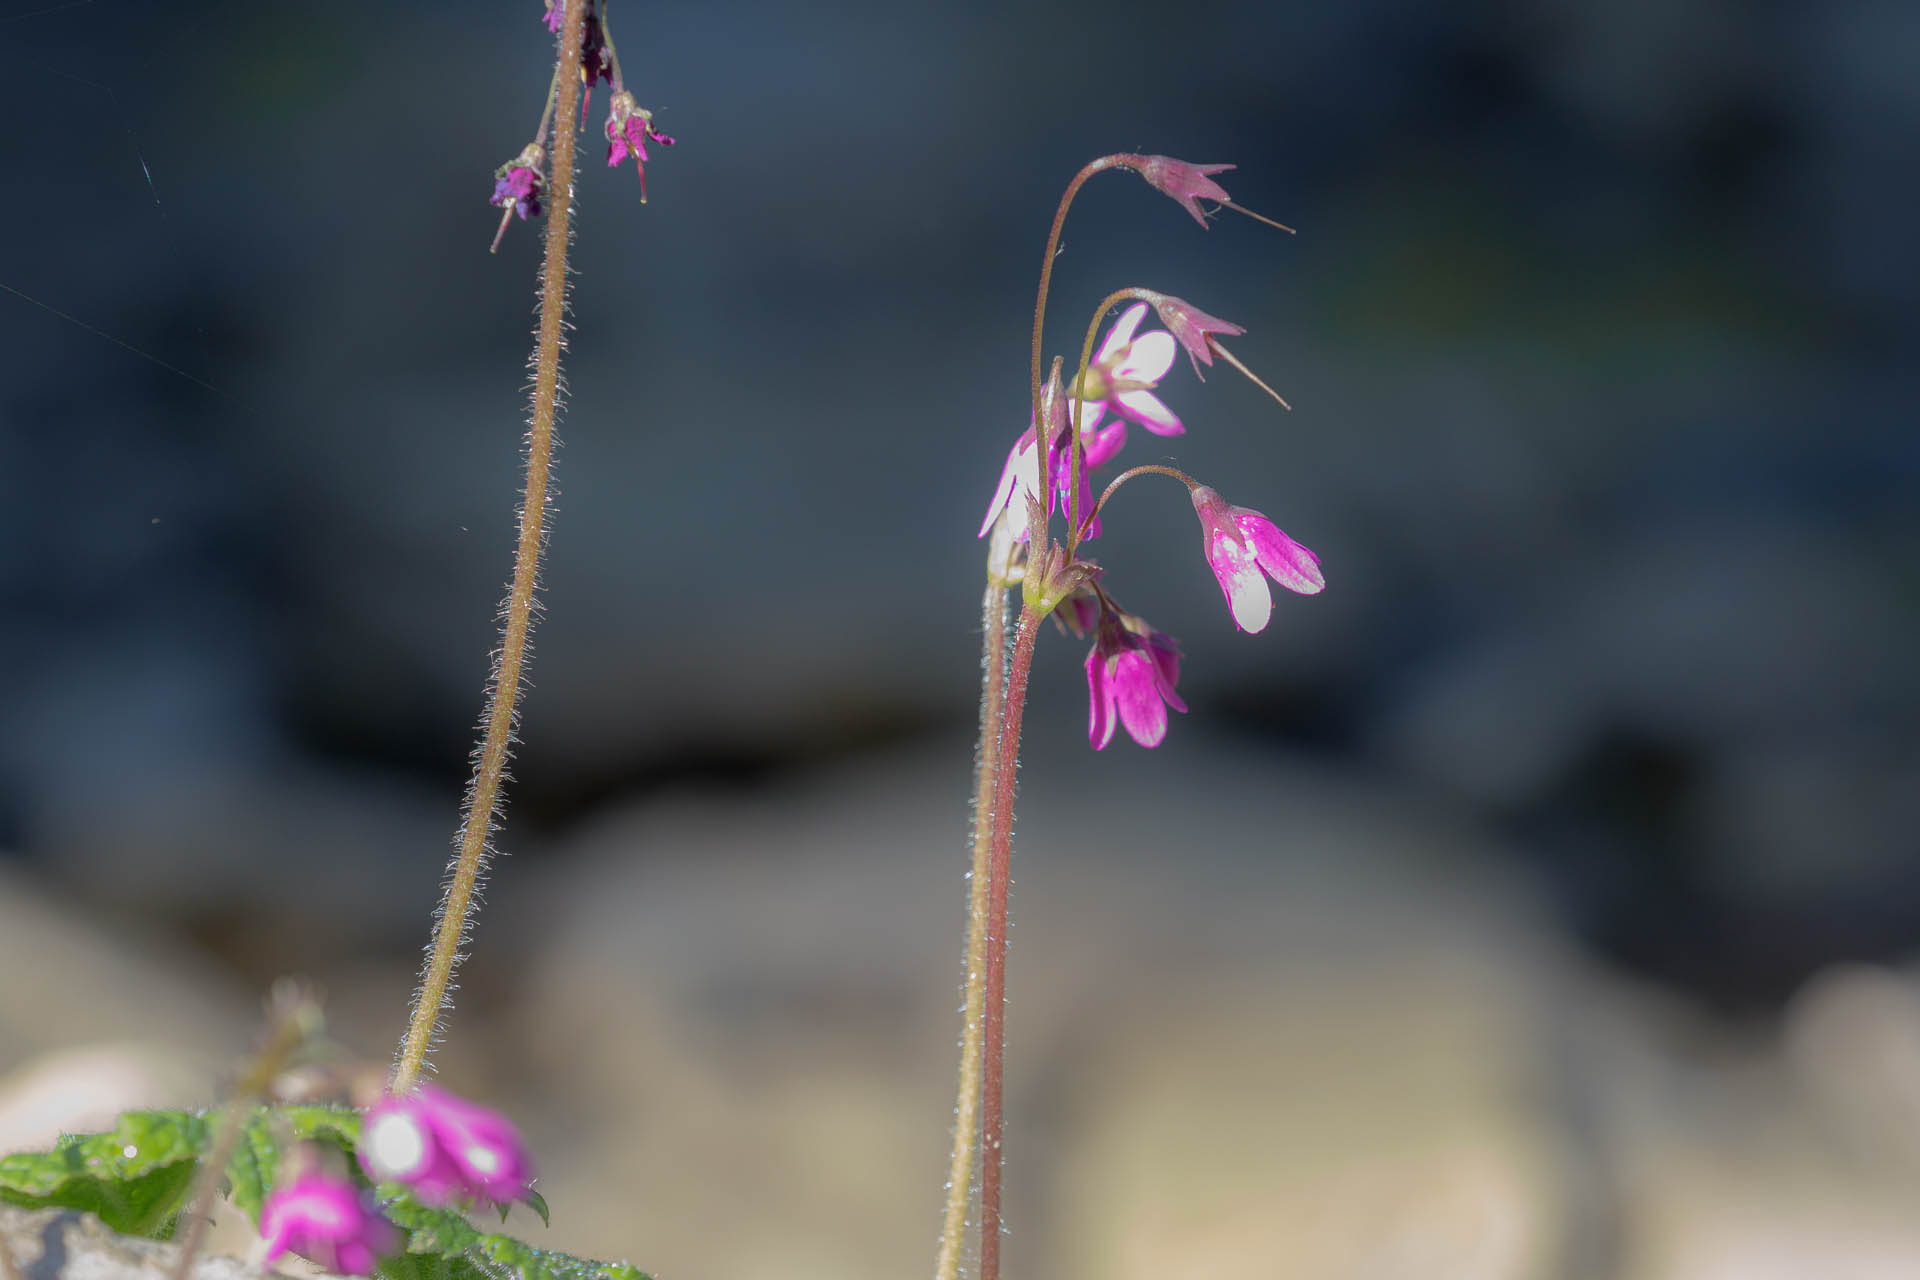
1132 669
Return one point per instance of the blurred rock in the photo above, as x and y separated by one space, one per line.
94 1021
1257 1013
51 1244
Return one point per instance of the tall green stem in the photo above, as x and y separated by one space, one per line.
483 794
999 880
966 1108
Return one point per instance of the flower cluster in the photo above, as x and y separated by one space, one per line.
518 184
445 1149
1133 670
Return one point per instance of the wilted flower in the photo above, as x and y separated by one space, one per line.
1241 546
1131 673
444 1148
518 184
1190 326
628 128
329 1221
1188 184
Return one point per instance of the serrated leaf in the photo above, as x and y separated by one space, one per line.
264 1137
475 1255
136 1177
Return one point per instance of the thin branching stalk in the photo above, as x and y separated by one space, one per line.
292 1021
1046 263
483 794
966 1107
999 880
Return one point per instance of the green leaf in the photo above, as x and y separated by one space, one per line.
538 1203
139 1175
136 1177
265 1135
443 1235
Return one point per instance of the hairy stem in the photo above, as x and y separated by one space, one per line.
966 1107
999 880
483 793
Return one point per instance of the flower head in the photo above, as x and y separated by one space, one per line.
326 1219
556 15
444 1148
1190 326
628 129
1244 549
1131 673
1124 372
1186 183
517 185
596 58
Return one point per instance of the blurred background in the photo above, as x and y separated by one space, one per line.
1540 900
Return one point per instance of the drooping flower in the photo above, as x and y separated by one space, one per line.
1131 673
1188 184
629 126
444 1148
329 1221
596 58
1190 326
1244 549
518 184
1124 372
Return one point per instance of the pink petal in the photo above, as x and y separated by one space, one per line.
1285 561
1100 721
1011 474
1121 333
1241 581
1146 408
1149 358
1138 698
1103 445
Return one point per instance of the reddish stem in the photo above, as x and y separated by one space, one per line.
999 880
1053 248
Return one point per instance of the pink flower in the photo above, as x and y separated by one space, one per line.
556 15
1019 481
444 1148
328 1221
1131 672
1190 326
517 185
628 129
1124 372
1242 545
1186 183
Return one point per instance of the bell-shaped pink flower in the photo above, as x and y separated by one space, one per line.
1244 549
1186 183
1190 326
1124 372
327 1220
444 1149
1131 673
